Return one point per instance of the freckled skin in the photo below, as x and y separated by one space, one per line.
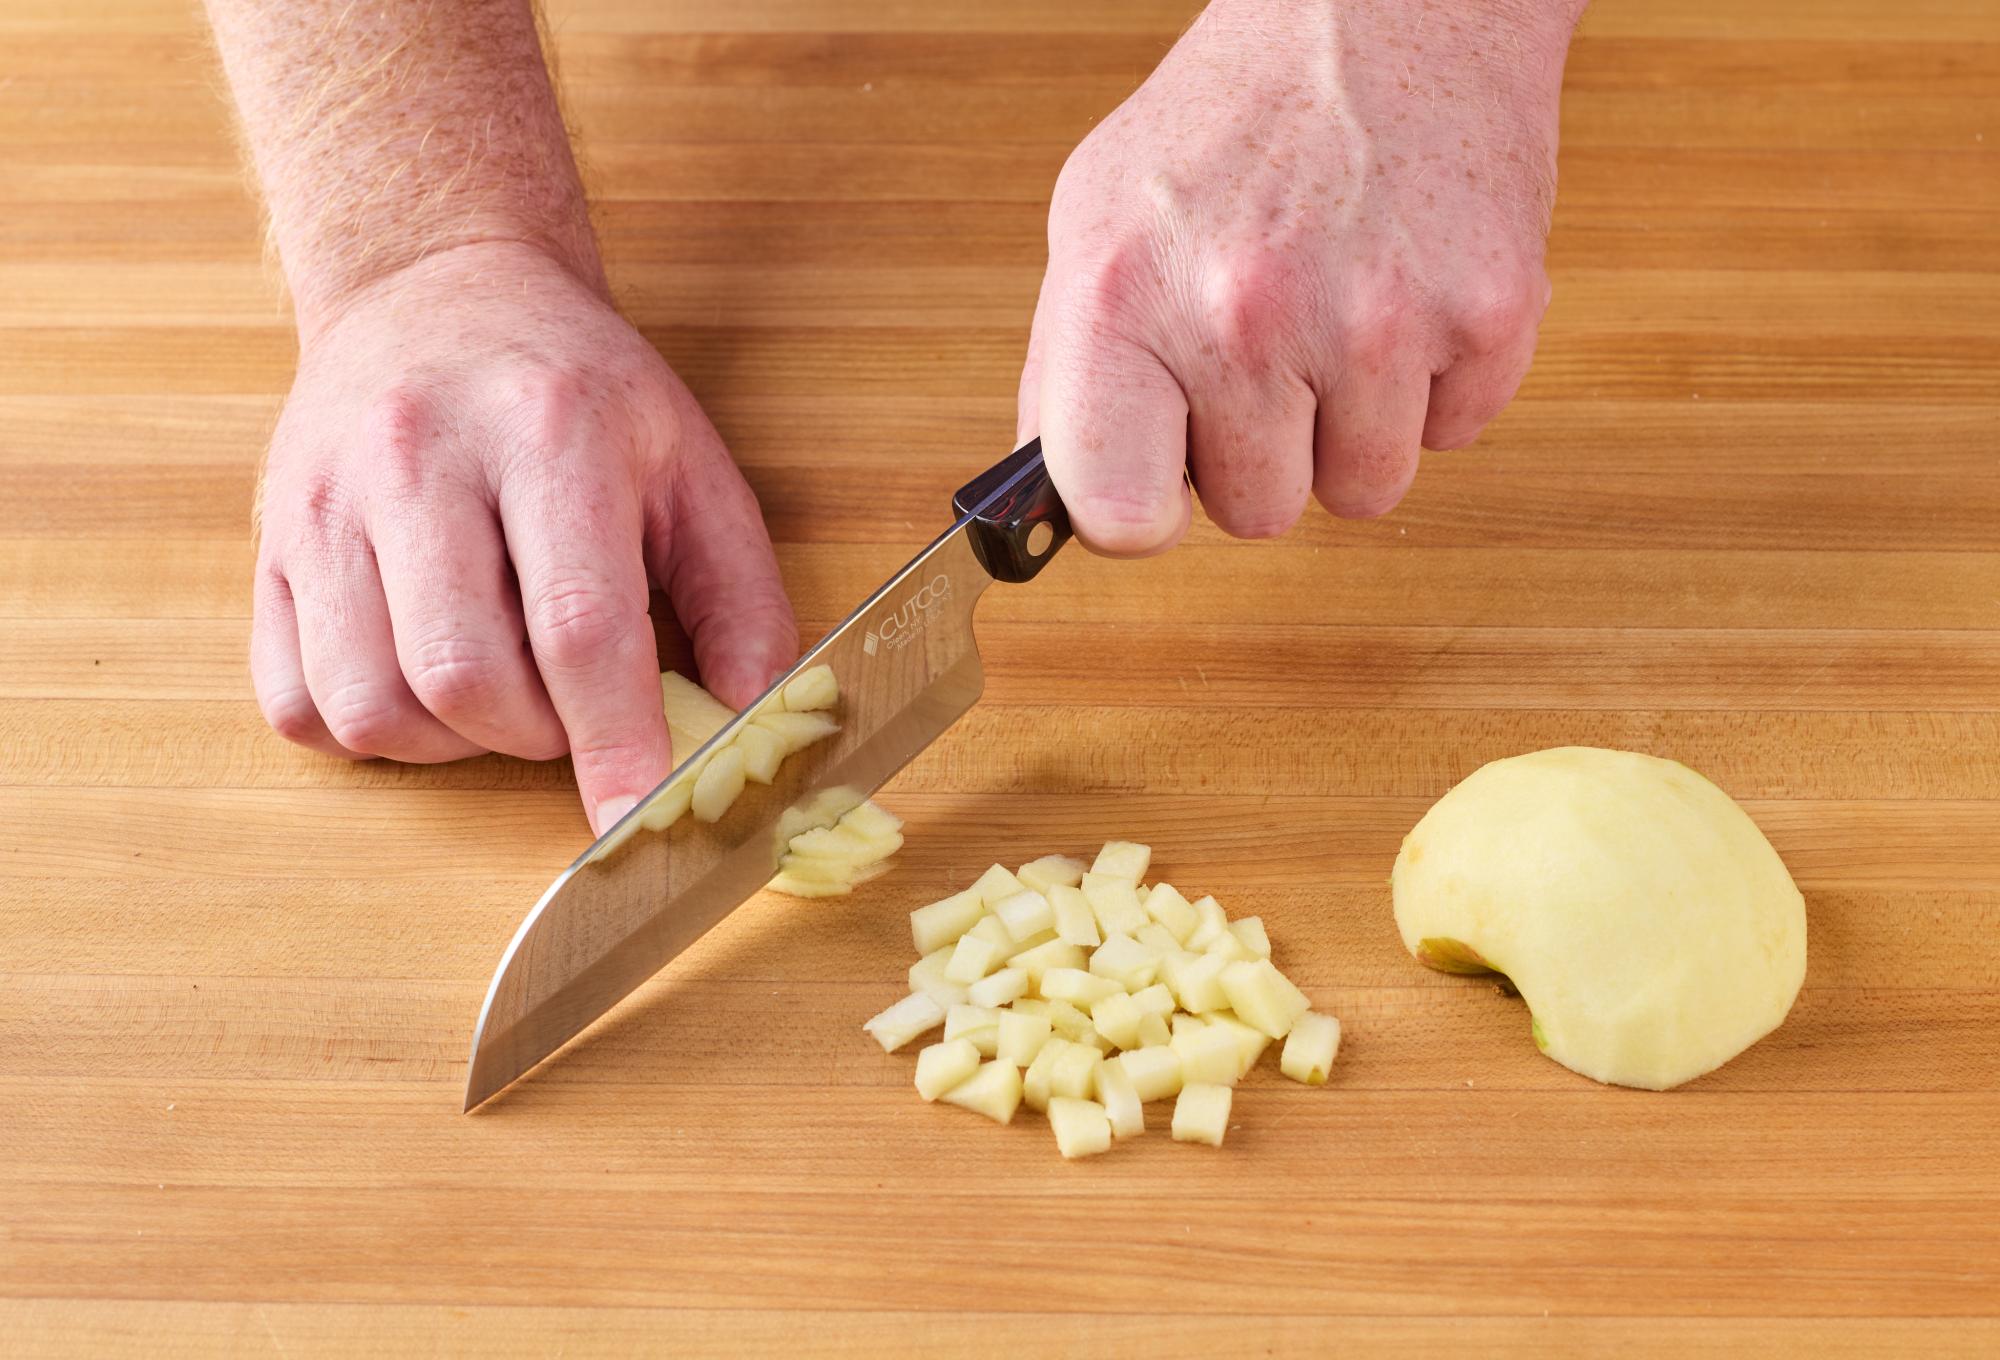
1347 203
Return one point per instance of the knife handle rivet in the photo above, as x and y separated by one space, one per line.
1039 538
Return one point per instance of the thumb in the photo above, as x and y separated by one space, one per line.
707 547
1114 435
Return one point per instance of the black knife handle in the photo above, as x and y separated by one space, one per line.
1018 521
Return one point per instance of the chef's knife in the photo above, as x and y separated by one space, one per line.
907 665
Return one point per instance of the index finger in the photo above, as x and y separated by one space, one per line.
573 529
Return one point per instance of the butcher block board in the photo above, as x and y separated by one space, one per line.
1746 513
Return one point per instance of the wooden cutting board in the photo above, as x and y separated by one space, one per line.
1746 513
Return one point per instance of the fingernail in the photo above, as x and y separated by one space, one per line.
611 809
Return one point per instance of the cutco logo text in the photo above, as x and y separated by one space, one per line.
897 630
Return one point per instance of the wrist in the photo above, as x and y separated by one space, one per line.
327 291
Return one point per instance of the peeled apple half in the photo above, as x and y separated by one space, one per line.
1646 921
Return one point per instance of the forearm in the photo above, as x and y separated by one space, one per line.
385 132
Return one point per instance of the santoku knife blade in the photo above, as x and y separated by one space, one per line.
908 666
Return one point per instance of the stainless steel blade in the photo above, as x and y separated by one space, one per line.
907 665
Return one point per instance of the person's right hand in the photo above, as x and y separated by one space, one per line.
478 469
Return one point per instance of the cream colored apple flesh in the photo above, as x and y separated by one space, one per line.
1646 921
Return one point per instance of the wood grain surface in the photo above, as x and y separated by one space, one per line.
1746 513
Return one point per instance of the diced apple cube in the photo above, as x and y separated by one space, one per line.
943 1066
1153 1031
980 1024
1075 922
995 884
1201 1115
1074 1073
1069 1021
1026 914
762 752
1155 1073
797 730
1033 942
1050 871
1211 921
718 786
1228 948
1310 1047
1263 997
1117 1018
930 967
1251 934
1154 1000
1120 1100
1250 1042
994 1091
971 959
998 989
1115 904
1081 1126
1159 941
1035 1081
1183 1023
942 922
812 689
946 994
1021 1036
915 1014
990 929
1077 987
1053 954
1209 1054
1123 859
1125 961
1198 984
1032 1005
1166 906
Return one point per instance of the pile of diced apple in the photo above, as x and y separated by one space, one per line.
1088 995
830 855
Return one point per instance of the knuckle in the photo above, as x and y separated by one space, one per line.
1249 304
548 403
1107 285
364 716
400 431
1373 478
454 678
1258 520
1259 501
1497 311
291 714
1375 337
577 618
